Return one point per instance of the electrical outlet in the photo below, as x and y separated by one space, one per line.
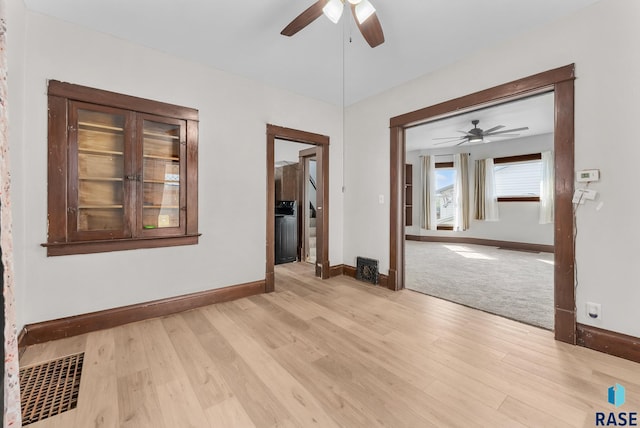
594 310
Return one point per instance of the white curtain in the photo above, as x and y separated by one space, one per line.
461 191
428 213
486 200
547 188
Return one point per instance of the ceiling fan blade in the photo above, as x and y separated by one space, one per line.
371 29
495 128
508 130
450 141
304 19
503 135
461 143
447 138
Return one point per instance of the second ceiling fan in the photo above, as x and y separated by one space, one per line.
362 10
477 135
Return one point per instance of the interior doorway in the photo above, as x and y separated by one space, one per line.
499 257
321 208
308 161
561 82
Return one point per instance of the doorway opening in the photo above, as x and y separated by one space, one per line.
308 161
561 82
298 201
485 239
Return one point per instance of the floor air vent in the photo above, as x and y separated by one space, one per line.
50 388
367 270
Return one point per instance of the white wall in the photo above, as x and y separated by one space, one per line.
518 220
232 158
288 151
602 40
16 24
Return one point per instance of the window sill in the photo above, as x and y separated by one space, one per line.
89 247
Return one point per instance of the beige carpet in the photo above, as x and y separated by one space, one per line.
513 284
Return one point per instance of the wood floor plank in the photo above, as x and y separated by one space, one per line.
228 413
98 397
293 395
335 352
258 399
138 402
206 381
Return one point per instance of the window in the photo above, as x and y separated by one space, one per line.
518 178
445 198
122 172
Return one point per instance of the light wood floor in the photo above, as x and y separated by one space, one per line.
335 353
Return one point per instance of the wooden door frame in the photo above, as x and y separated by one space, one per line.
322 254
304 156
561 82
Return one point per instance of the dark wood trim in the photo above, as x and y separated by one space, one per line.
336 270
86 323
112 99
57 177
397 202
90 247
522 246
609 342
322 244
444 227
564 289
349 271
271 212
531 84
559 80
518 158
297 136
22 341
519 199
383 280
444 164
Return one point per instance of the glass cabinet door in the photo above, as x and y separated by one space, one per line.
97 193
163 201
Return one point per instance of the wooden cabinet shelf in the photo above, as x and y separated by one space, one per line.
131 173
172 158
91 125
408 194
101 152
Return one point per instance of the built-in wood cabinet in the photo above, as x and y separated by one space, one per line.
122 172
408 194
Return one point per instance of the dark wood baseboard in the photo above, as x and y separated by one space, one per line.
383 280
86 323
565 325
523 246
609 342
22 342
349 271
336 270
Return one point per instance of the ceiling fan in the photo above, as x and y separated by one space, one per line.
364 13
477 135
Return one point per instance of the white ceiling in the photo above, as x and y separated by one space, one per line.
535 112
243 37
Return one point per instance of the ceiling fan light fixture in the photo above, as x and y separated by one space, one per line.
475 139
364 9
333 10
